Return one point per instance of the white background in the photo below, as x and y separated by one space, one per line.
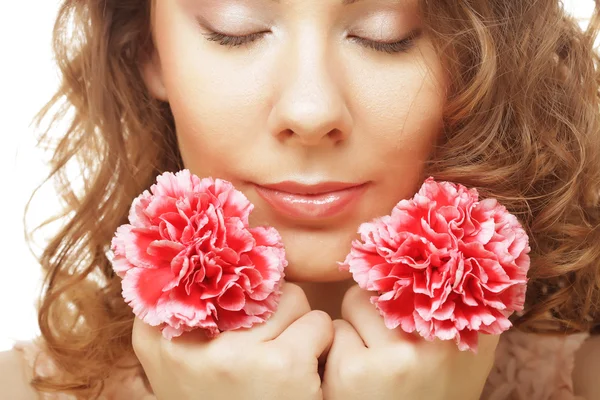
27 80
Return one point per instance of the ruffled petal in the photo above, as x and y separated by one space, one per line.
192 262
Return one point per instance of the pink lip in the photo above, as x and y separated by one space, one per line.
323 200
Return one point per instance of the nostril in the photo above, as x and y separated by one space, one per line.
336 135
286 134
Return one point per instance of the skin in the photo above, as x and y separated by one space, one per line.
307 103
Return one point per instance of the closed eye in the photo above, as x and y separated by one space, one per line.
387 47
399 46
233 41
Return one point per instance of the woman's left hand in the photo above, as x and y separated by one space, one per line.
369 361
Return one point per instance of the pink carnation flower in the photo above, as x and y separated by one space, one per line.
188 258
444 264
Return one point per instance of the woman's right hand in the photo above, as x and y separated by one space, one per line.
274 360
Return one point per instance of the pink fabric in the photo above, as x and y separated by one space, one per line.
527 367
533 367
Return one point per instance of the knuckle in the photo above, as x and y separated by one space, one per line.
323 323
322 319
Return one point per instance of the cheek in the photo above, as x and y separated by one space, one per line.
403 109
217 106
214 119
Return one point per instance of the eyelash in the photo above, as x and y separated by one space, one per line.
390 48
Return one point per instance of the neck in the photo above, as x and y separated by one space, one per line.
326 296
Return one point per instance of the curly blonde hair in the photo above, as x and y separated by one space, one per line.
522 124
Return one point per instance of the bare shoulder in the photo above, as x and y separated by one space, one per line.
586 375
14 383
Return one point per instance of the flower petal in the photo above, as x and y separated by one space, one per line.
189 260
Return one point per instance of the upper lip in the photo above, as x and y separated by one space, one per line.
305 189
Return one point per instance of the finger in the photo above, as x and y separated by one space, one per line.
486 348
347 345
293 304
358 310
488 343
310 334
145 341
487 351
346 338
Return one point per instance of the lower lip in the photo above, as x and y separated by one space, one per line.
316 206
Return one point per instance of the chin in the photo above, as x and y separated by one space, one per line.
313 251
313 256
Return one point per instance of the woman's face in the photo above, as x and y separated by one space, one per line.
320 123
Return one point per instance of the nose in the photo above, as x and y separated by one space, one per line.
310 109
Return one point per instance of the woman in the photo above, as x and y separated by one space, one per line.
297 102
